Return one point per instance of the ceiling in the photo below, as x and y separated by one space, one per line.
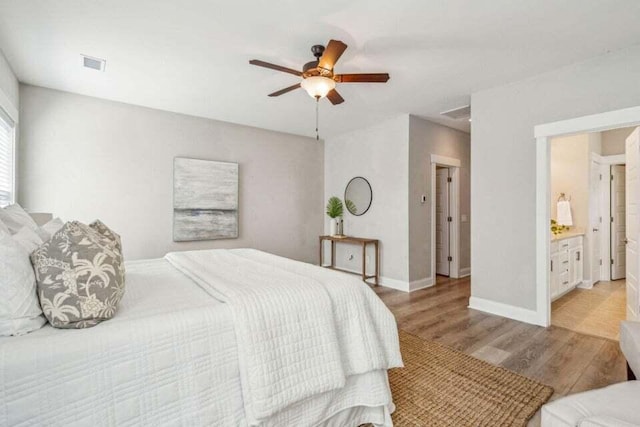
192 56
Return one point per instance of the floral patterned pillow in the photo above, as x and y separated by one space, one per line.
101 228
79 275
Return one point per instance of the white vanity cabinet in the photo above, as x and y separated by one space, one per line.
567 264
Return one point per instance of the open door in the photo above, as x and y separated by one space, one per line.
618 234
443 220
595 220
632 151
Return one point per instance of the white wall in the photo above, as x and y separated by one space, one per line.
9 87
85 158
613 141
503 176
427 138
379 154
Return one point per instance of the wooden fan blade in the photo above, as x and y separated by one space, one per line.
275 67
285 90
362 78
335 97
332 53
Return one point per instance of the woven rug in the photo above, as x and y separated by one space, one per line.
440 386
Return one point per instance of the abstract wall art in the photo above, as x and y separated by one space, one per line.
205 200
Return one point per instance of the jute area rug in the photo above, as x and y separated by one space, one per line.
440 386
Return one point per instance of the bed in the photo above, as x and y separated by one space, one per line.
220 337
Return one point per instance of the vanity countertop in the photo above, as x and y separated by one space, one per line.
566 235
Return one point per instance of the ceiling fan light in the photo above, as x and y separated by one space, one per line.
318 86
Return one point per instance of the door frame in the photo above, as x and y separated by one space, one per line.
453 165
543 133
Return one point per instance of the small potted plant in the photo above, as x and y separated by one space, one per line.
557 228
335 209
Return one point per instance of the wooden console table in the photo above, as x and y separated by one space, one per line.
352 241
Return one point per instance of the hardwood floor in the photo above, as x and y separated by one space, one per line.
568 361
597 311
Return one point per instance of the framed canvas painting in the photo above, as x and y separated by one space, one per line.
205 200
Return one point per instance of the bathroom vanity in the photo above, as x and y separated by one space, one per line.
567 263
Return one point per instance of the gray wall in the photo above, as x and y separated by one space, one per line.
378 153
395 157
85 158
503 178
427 138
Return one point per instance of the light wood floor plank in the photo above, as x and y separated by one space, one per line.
568 361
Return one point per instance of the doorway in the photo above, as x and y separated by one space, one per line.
587 182
445 214
443 221
617 241
596 123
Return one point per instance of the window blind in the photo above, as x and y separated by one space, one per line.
7 166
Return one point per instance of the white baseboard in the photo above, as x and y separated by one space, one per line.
427 282
586 284
405 286
465 272
505 310
400 285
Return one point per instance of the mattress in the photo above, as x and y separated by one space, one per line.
169 357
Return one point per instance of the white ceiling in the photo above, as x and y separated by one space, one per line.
192 56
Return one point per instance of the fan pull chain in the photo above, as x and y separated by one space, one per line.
317 117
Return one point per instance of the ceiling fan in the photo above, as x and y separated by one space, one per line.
318 78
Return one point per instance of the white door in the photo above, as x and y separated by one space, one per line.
618 201
442 221
632 151
595 219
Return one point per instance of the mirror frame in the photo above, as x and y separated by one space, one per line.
370 192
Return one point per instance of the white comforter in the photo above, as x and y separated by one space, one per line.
301 330
169 357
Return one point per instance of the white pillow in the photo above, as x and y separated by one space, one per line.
20 310
4 228
14 217
50 228
28 239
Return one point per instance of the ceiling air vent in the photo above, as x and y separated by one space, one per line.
459 113
93 63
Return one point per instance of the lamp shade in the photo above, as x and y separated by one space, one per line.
318 86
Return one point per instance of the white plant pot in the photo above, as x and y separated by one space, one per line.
333 226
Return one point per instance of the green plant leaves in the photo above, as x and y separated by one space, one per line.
335 208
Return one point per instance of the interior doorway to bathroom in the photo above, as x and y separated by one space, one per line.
588 204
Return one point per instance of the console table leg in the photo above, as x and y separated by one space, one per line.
364 262
333 253
377 263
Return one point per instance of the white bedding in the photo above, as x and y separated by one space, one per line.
169 357
301 330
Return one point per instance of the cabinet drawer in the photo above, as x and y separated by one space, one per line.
563 279
563 258
563 245
574 242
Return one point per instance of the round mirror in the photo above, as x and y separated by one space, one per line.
357 196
